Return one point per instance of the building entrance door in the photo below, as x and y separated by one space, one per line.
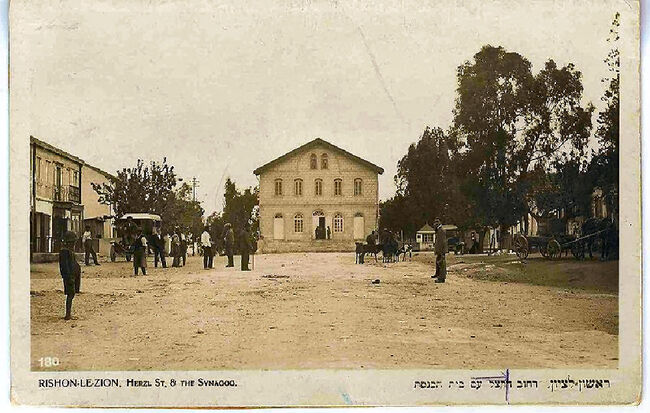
278 227
59 227
319 225
358 227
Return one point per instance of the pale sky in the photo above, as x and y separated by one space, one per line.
222 89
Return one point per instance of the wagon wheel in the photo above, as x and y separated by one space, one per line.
113 253
554 249
543 251
577 250
521 247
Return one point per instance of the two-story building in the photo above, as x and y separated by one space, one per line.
55 195
318 197
98 216
62 198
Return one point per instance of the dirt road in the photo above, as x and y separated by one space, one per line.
319 310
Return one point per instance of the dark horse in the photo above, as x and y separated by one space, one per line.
390 250
363 249
601 230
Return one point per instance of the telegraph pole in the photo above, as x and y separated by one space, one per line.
195 184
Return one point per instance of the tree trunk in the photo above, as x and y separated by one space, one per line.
481 240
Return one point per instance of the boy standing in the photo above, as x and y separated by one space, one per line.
70 271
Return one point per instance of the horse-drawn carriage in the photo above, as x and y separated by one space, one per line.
594 232
126 227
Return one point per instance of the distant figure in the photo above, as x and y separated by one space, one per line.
158 249
140 253
474 248
130 228
176 249
329 232
183 247
70 271
245 247
441 251
206 243
371 239
87 241
229 243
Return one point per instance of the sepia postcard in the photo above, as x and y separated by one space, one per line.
216 203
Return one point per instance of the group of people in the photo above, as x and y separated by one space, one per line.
388 240
245 245
323 233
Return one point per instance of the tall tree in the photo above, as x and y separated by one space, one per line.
513 122
240 207
605 164
427 185
151 189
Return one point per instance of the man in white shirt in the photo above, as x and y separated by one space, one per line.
206 243
87 242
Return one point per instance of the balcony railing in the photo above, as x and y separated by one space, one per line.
66 193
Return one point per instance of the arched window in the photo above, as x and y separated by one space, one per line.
323 161
313 161
358 187
297 187
278 187
338 187
318 187
338 223
298 223
278 215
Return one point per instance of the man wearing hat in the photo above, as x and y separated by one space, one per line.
440 248
140 253
206 243
70 271
229 242
245 246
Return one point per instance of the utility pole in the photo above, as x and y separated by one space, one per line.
195 184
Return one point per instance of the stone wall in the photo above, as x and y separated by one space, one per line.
271 246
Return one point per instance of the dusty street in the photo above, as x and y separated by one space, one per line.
320 310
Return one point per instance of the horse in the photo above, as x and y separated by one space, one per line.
403 250
362 249
600 229
389 250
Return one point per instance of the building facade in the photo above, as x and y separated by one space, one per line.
62 199
55 196
98 216
317 197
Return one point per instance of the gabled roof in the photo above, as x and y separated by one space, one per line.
102 172
65 154
56 150
427 228
315 142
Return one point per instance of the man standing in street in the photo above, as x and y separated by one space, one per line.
229 242
182 246
158 248
70 271
206 243
87 241
441 251
245 247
